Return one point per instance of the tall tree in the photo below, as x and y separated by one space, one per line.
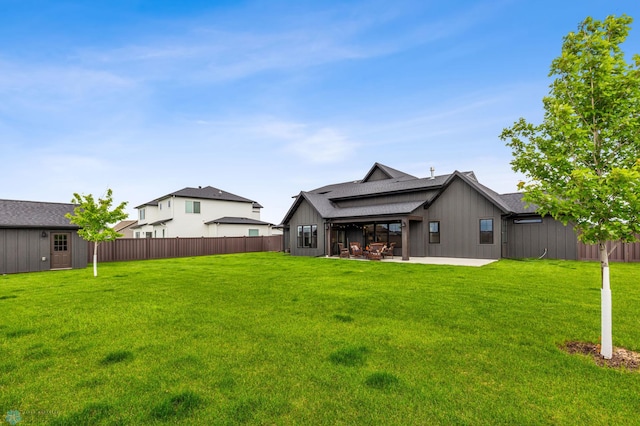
94 219
582 163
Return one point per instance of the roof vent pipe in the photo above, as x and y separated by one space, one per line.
433 172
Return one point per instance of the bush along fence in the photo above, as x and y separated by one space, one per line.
124 249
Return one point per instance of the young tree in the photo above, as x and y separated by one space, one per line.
94 220
582 163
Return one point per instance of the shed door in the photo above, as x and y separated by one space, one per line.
60 250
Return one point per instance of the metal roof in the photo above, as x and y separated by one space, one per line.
403 208
325 199
35 214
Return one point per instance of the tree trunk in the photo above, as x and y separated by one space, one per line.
606 347
95 259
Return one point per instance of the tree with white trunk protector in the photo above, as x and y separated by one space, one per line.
94 219
582 163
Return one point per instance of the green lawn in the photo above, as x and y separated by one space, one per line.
266 338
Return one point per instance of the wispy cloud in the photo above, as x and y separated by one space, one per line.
207 49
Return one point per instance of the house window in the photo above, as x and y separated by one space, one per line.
254 232
60 242
434 232
168 203
148 234
137 234
308 236
523 221
383 232
504 231
159 206
486 231
192 207
141 214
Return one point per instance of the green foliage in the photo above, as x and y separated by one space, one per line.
94 218
208 341
583 161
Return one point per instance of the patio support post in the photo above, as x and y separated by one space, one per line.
405 239
327 239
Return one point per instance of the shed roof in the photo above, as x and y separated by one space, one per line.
35 214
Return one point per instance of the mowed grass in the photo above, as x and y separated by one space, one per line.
267 338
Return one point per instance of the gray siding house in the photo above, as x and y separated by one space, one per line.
36 236
447 216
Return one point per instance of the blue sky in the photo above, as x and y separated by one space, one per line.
265 99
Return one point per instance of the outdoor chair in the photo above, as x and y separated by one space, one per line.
344 252
388 251
375 251
356 249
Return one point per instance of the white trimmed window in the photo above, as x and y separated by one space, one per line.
192 207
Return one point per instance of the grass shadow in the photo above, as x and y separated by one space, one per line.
92 414
20 332
382 380
12 296
181 404
116 357
343 318
350 356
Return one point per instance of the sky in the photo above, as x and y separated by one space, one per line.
265 99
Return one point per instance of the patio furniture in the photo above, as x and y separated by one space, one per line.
344 252
388 251
356 249
375 251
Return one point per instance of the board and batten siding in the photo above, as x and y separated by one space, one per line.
306 215
459 210
23 250
417 230
549 238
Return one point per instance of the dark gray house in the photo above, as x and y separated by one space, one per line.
449 216
36 236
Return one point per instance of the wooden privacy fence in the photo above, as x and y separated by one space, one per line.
161 248
618 252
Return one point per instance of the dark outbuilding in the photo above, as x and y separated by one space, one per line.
36 236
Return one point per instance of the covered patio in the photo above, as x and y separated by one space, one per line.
366 231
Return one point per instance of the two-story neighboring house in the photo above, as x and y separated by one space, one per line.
200 212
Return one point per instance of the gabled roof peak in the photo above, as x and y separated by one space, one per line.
380 172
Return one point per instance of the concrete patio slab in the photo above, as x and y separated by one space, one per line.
455 261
